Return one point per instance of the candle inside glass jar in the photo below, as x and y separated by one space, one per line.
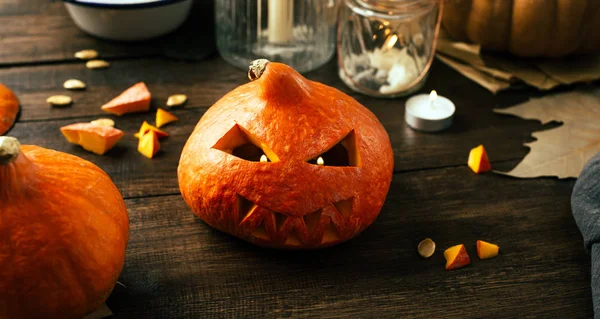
429 112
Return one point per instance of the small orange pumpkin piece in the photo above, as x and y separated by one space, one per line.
148 144
147 127
286 162
134 99
487 250
163 118
478 160
9 108
456 257
92 137
64 229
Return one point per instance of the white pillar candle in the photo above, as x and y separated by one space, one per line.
281 20
429 113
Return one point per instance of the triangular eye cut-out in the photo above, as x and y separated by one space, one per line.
344 153
240 143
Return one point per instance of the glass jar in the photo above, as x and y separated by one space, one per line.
386 47
300 33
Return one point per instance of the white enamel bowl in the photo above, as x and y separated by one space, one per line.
128 20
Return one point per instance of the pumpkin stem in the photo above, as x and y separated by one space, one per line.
9 149
256 68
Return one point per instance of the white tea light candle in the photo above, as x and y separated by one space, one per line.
429 113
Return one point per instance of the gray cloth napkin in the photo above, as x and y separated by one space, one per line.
585 202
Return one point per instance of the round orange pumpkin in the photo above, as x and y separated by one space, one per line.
63 232
550 28
9 108
285 162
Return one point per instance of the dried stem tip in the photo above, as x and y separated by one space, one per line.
9 149
256 68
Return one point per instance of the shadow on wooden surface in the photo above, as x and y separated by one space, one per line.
178 267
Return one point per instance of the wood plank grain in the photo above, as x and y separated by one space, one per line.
47 33
138 176
41 31
207 81
177 267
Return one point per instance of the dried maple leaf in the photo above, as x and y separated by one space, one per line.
561 151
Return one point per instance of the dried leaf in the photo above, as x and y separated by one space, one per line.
561 151
487 81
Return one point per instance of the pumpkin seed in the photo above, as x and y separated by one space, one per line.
104 122
86 54
59 100
426 248
176 100
97 64
74 84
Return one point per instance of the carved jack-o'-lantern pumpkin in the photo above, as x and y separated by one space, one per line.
286 162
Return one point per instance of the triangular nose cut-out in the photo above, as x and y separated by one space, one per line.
240 143
344 207
344 153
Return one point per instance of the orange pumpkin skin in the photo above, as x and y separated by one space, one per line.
298 205
9 108
528 28
63 234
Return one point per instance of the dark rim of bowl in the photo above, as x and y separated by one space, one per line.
152 4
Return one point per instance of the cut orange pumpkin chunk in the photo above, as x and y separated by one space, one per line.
487 250
92 137
147 127
134 99
163 118
478 160
148 144
456 257
9 108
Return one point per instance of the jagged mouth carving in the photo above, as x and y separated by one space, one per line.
323 226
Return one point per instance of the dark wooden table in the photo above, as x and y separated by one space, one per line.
178 267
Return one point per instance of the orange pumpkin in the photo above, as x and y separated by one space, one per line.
9 108
285 162
63 232
526 27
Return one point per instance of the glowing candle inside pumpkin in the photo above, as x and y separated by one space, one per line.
281 19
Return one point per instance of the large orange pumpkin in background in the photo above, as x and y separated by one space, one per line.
63 232
549 28
285 162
